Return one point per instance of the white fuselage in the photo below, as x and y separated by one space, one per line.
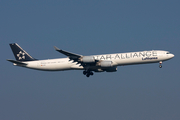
117 60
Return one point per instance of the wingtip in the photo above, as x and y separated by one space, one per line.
56 48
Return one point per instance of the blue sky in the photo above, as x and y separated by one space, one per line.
135 92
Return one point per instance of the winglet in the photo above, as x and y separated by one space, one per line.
56 48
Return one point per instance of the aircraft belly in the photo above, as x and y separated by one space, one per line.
49 67
77 67
57 67
136 61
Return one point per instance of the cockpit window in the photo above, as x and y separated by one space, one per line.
167 53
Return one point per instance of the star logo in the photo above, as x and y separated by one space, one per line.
21 55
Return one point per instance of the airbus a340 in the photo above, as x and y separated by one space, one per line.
89 64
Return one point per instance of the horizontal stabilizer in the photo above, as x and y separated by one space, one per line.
16 62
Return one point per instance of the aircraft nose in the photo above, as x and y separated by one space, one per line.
172 55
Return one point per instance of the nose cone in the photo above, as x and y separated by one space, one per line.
172 55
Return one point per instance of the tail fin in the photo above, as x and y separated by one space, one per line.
20 54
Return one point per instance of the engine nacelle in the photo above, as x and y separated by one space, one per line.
98 70
112 69
88 59
106 63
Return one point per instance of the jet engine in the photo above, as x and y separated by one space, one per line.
105 64
88 59
111 69
98 70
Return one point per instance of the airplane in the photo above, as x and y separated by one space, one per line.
89 64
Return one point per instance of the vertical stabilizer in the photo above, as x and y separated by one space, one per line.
20 54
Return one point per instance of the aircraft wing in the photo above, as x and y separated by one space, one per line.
16 62
72 56
75 57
